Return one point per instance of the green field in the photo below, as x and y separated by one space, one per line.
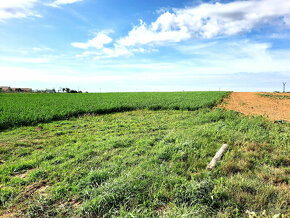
275 96
146 163
30 109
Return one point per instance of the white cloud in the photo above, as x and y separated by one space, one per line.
117 51
234 57
25 8
114 52
86 54
17 9
209 21
98 42
58 3
108 53
144 35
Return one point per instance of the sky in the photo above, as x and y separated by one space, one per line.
137 45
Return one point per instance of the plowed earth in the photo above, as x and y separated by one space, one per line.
275 106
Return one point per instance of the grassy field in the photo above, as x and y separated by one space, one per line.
30 109
146 163
275 96
143 163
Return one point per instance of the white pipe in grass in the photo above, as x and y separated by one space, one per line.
217 156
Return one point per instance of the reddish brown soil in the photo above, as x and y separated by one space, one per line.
251 103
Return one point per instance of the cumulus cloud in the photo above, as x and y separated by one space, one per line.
98 42
144 34
17 9
114 52
58 3
205 21
208 21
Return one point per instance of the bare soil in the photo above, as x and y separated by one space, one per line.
274 106
24 175
39 187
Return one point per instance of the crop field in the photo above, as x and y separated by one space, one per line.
30 109
276 96
139 162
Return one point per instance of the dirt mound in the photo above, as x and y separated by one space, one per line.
275 106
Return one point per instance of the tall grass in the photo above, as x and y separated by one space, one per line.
146 164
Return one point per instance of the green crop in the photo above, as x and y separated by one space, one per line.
275 96
30 109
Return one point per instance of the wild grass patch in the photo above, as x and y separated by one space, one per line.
147 163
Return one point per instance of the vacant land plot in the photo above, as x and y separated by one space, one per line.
146 163
275 106
30 109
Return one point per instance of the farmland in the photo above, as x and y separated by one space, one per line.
30 109
276 96
274 106
143 162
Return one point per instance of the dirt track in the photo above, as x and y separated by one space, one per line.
274 107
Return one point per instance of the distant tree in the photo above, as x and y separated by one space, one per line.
0 89
18 90
68 90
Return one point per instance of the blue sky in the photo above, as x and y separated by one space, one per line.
135 45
